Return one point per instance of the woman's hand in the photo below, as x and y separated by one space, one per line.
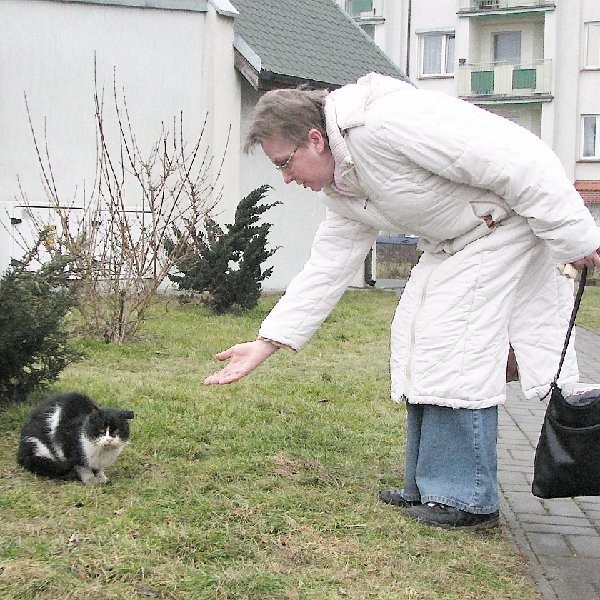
591 260
243 359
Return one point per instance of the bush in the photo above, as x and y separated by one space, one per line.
121 258
33 341
226 266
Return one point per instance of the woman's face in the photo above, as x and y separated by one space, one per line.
310 165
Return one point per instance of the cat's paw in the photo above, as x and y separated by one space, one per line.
86 475
101 477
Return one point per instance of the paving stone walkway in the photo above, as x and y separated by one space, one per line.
560 538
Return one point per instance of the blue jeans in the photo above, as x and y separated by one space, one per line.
451 457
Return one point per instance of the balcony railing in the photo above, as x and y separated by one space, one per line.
483 6
502 81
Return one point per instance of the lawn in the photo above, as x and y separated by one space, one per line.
589 311
261 490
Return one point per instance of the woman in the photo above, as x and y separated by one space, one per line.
495 214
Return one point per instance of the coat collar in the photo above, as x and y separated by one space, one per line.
345 108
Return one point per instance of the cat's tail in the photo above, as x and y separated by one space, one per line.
29 457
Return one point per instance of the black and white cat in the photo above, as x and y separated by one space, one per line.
69 432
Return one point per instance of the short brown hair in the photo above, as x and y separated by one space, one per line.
289 114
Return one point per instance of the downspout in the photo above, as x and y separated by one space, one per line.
408 26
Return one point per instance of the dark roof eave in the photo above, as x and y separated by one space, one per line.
268 80
263 79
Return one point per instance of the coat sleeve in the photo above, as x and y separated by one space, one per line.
468 145
339 247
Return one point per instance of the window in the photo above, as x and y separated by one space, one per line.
592 45
437 54
507 47
356 7
590 136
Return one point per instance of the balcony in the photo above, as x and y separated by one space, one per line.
502 82
483 7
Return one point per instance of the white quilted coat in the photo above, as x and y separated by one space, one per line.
494 212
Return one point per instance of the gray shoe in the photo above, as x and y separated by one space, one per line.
446 517
395 498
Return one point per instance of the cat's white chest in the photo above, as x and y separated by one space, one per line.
102 451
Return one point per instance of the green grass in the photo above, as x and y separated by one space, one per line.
265 489
589 311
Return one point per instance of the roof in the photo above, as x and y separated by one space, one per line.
589 190
287 42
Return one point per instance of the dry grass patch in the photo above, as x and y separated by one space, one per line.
261 490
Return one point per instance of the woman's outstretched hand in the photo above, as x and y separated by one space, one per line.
243 359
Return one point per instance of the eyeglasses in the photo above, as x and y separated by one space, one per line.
285 166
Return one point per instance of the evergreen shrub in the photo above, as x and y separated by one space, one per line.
33 340
226 265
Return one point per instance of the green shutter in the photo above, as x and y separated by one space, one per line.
482 82
523 79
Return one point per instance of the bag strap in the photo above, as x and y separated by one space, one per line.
576 304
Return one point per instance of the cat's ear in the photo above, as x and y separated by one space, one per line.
128 414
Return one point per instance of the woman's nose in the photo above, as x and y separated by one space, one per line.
287 178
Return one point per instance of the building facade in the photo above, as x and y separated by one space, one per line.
201 63
535 62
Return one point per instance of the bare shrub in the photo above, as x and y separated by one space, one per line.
120 226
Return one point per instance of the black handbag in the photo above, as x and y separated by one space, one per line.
567 457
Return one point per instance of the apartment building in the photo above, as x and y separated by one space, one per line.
535 62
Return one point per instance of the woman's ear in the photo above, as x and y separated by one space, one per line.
316 138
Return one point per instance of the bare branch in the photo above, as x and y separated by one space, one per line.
136 202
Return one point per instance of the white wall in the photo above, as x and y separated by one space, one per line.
294 221
391 35
221 100
569 32
47 51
